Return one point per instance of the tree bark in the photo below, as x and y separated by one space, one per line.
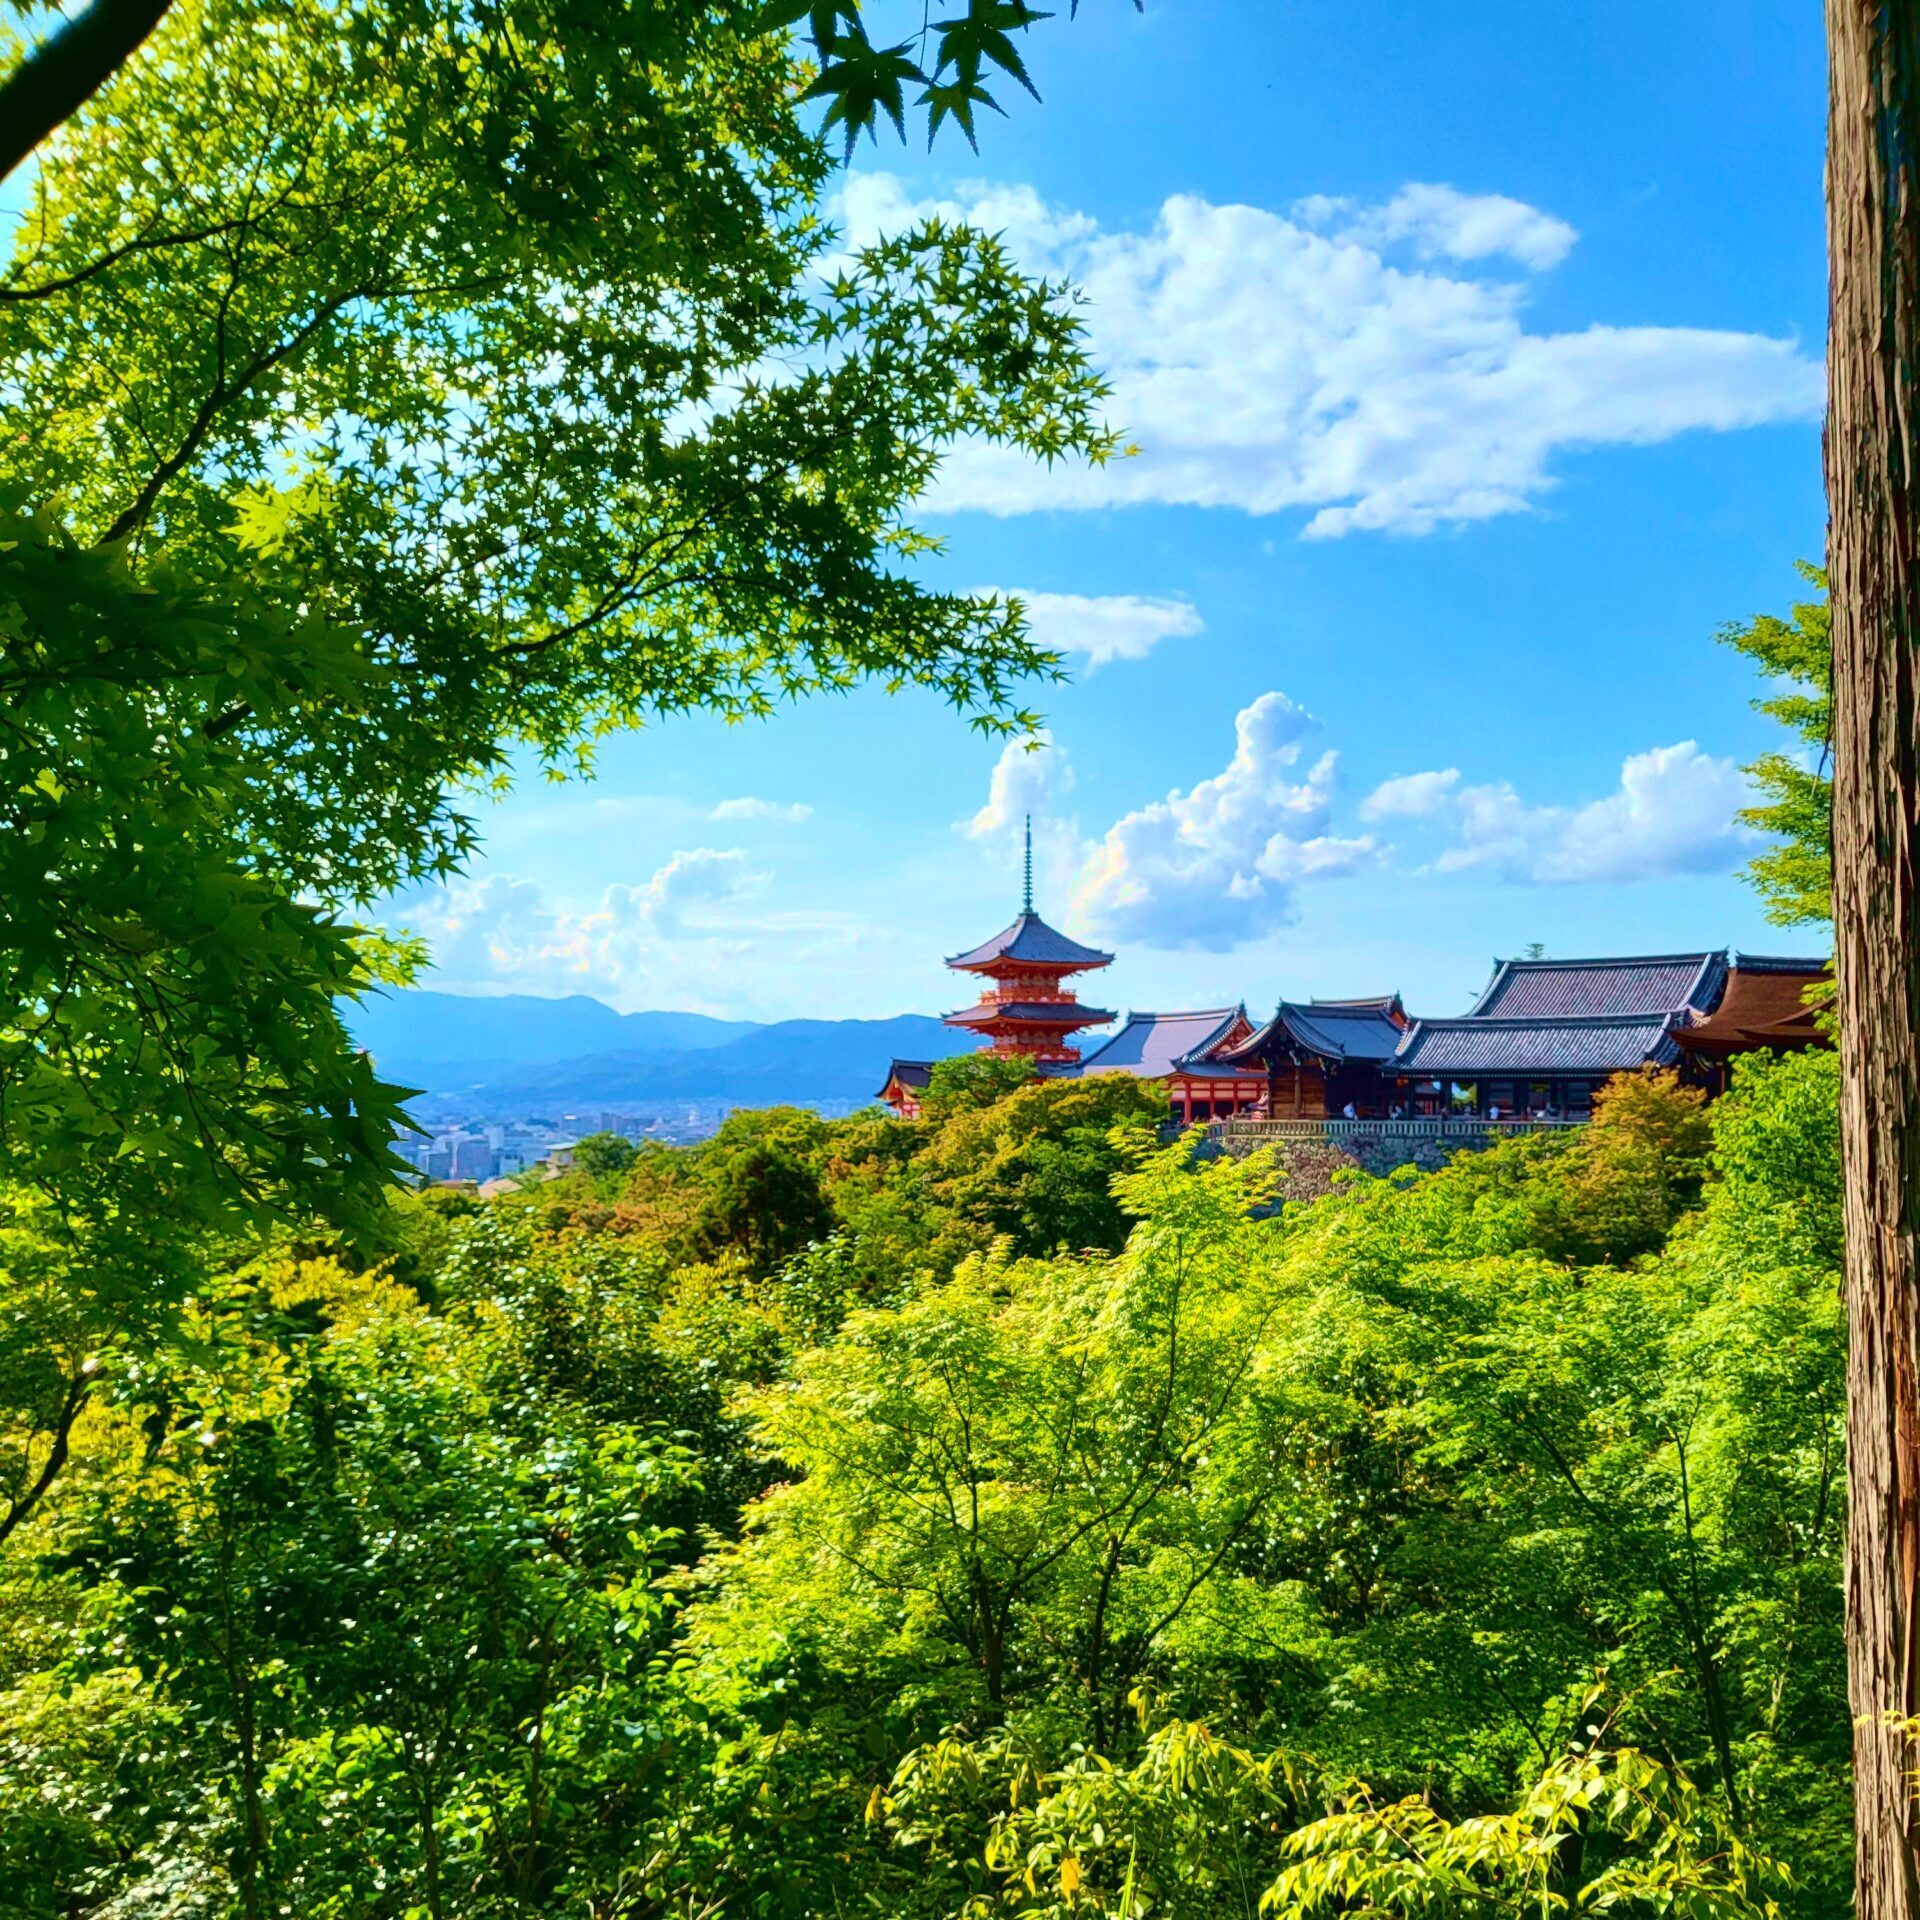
67 69
1873 451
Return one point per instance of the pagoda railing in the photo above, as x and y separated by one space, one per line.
1451 1127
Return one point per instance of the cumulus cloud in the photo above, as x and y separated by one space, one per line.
1029 778
1363 364
1101 628
1218 864
1410 794
504 929
1438 221
746 807
692 878
1672 813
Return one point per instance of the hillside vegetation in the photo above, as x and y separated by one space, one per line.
997 1513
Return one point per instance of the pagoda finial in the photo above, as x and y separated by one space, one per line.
1026 897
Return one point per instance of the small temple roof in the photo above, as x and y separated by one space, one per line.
1034 1013
909 1073
1389 1003
1586 989
1332 1029
1763 1006
1153 1046
1031 941
1587 1046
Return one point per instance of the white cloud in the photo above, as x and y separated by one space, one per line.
1100 628
1346 361
1410 794
1439 220
694 877
1028 778
1672 813
746 807
1218 864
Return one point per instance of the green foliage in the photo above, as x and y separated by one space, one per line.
969 1081
1197 1827
861 82
1620 1186
761 1196
172 1058
1034 1168
1795 877
1008 1462
601 1154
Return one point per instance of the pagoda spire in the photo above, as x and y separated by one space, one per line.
1026 896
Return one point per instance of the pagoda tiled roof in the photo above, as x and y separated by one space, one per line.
1030 940
1580 1045
1036 1013
1154 1046
1644 984
914 1074
1330 1029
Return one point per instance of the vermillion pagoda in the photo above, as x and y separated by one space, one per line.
1025 1004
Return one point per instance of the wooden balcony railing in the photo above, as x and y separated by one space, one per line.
1452 1127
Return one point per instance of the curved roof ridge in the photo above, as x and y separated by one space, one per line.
1779 963
1486 1022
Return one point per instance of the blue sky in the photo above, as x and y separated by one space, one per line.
1474 353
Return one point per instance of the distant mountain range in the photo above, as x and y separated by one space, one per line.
517 1053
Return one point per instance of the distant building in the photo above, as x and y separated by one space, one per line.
1540 1041
1546 1035
907 1082
473 1157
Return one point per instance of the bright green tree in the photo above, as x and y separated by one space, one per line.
1795 876
394 397
602 1154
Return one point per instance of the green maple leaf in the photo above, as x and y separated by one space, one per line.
863 81
956 99
982 36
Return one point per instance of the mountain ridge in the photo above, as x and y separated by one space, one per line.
521 1056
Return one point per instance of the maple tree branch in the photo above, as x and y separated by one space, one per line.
66 69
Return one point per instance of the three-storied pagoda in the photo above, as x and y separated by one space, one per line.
1025 1004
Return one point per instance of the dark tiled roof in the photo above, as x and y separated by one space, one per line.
1039 1013
1331 1029
1153 1045
1467 1049
1032 940
909 1073
1588 989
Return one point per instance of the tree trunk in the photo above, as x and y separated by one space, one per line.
1873 208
